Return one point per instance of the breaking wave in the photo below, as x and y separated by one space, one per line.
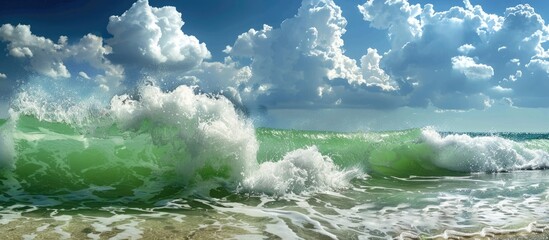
160 144
148 147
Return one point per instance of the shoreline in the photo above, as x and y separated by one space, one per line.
533 231
528 236
151 226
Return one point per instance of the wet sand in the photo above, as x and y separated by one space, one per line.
191 227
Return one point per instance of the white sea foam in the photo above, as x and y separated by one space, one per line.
302 170
202 136
209 133
201 131
461 152
56 106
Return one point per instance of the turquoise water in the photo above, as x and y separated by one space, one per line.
184 165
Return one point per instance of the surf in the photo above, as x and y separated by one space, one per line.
148 147
174 143
173 154
419 152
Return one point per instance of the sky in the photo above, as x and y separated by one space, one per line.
314 64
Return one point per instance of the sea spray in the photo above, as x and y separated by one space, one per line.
205 136
156 144
181 163
463 153
149 146
58 104
413 152
210 139
300 171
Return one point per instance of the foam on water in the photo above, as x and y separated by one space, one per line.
423 152
202 132
463 153
208 133
126 168
154 139
476 206
57 104
302 170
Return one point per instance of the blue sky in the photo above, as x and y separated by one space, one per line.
460 66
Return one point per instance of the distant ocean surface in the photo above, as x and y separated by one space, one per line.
186 165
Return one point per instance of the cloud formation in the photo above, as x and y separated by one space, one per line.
50 59
92 51
302 63
44 55
472 70
151 37
150 44
372 72
459 59
398 17
463 58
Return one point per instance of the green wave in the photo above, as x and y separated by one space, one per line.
103 162
399 153
59 159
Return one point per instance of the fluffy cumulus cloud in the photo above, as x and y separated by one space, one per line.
152 37
150 41
302 63
92 51
48 58
399 17
472 70
44 55
146 43
220 76
372 72
463 58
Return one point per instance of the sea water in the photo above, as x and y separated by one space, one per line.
181 164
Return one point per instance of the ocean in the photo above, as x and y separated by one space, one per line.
178 165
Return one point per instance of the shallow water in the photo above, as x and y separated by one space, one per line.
382 207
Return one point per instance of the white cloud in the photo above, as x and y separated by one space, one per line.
459 59
49 59
502 90
372 72
45 56
471 69
216 76
84 75
397 16
147 41
21 52
152 37
466 48
437 56
302 63
91 50
3 76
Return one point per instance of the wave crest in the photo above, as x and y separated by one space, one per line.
463 153
300 171
153 144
